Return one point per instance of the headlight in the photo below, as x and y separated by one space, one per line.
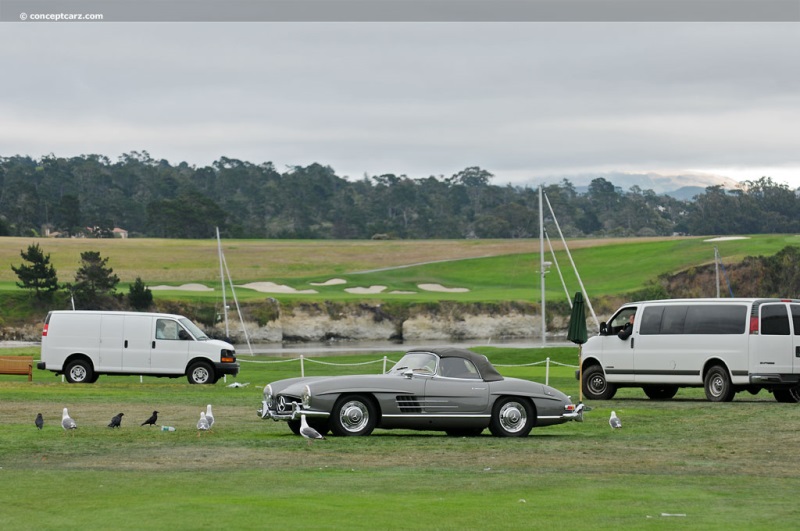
268 397
306 398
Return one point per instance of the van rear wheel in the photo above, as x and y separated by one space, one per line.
80 371
718 385
787 396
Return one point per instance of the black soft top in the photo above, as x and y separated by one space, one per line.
481 362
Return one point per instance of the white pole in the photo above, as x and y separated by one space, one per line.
716 267
222 278
384 365
541 263
547 371
302 367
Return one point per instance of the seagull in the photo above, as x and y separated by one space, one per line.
116 421
66 422
202 424
614 421
39 421
152 420
209 417
307 431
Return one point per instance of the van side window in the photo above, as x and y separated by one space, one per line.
672 322
716 319
166 329
651 321
796 318
774 320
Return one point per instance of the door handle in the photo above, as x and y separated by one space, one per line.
126 343
154 344
797 352
632 342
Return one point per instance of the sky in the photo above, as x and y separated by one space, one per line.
525 101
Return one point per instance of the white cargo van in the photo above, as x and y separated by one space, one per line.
82 345
723 345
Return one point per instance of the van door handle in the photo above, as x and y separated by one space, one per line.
797 352
126 343
632 342
154 344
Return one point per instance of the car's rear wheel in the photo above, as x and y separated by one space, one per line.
595 385
512 417
660 392
718 385
79 371
354 415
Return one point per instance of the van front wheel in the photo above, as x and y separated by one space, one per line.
718 385
595 385
200 373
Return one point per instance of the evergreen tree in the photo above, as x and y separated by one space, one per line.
95 283
40 276
139 295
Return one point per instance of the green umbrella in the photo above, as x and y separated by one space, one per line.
577 334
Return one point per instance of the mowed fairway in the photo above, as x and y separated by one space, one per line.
683 463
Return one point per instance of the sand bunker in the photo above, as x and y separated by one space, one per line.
369 290
439 287
331 282
402 292
183 287
727 238
271 287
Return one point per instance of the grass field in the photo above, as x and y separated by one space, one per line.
683 463
491 270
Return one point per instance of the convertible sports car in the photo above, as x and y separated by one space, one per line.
448 389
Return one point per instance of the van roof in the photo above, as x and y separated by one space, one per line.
713 300
101 312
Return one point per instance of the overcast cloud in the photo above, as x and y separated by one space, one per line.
523 101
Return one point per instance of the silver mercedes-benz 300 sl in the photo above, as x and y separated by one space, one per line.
441 389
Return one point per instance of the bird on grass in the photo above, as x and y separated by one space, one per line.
308 432
116 421
152 420
614 421
202 424
66 421
39 421
209 417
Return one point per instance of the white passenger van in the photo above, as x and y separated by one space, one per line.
82 345
723 345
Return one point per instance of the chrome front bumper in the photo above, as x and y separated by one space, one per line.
576 415
266 413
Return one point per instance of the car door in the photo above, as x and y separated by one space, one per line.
112 328
138 329
456 389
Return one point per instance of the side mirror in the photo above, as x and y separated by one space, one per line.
603 328
182 334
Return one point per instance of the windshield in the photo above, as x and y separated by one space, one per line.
422 362
193 329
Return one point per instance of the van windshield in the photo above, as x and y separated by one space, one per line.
193 329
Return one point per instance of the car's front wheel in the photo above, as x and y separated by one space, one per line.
354 415
512 417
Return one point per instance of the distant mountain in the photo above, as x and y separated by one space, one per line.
680 186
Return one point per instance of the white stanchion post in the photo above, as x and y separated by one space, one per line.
547 372
302 367
141 380
384 365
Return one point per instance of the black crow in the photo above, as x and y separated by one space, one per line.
39 421
116 422
152 420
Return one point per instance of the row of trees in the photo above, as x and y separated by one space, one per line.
150 197
95 285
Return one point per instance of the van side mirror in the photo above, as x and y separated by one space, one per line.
603 329
183 335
